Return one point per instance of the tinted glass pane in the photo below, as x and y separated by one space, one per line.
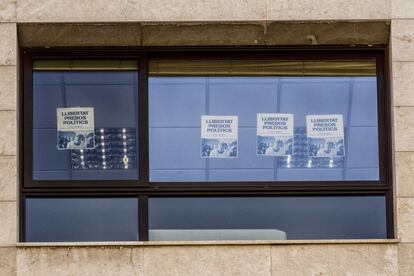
350 217
112 94
176 104
81 219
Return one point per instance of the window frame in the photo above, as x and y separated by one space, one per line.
143 188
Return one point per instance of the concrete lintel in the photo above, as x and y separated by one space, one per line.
77 34
328 33
253 33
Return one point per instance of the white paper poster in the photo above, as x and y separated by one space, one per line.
75 128
219 136
325 135
274 134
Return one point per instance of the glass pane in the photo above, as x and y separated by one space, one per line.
81 219
179 97
255 218
107 149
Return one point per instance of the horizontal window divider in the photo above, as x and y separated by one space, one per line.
209 193
96 184
83 193
263 193
57 184
307 184
228 189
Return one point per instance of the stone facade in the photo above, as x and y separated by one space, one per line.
45 23
199 258
402 50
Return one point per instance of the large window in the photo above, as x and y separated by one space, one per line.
205 145
180 92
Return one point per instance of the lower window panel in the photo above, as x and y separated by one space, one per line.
81 219
67 219
267 218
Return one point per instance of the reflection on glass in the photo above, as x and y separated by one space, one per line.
115 150
111 89
293 218
81 219
178 97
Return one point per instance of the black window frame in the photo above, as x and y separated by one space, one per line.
143 188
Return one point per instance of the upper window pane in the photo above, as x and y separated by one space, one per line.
85 120
335 100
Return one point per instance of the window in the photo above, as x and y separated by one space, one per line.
110 88
294 217
205 145
180 92
96 219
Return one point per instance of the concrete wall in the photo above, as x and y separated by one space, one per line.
214 22
211 259
402 56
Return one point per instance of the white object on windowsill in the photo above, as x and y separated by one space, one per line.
215 234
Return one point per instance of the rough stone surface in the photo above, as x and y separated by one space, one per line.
405 219
404 128
402 40
80 261
403 83
215 10
7 10
368 260
78 10
8 133
8 222
327 33
312 259
8 178
404 163
207 260
8 44
187 34
7 261
8 87
65 35
328 9
202 33
405 259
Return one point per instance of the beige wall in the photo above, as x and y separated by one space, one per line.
8 118
258 22
198 259
402 44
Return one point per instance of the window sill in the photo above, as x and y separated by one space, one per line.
203 243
